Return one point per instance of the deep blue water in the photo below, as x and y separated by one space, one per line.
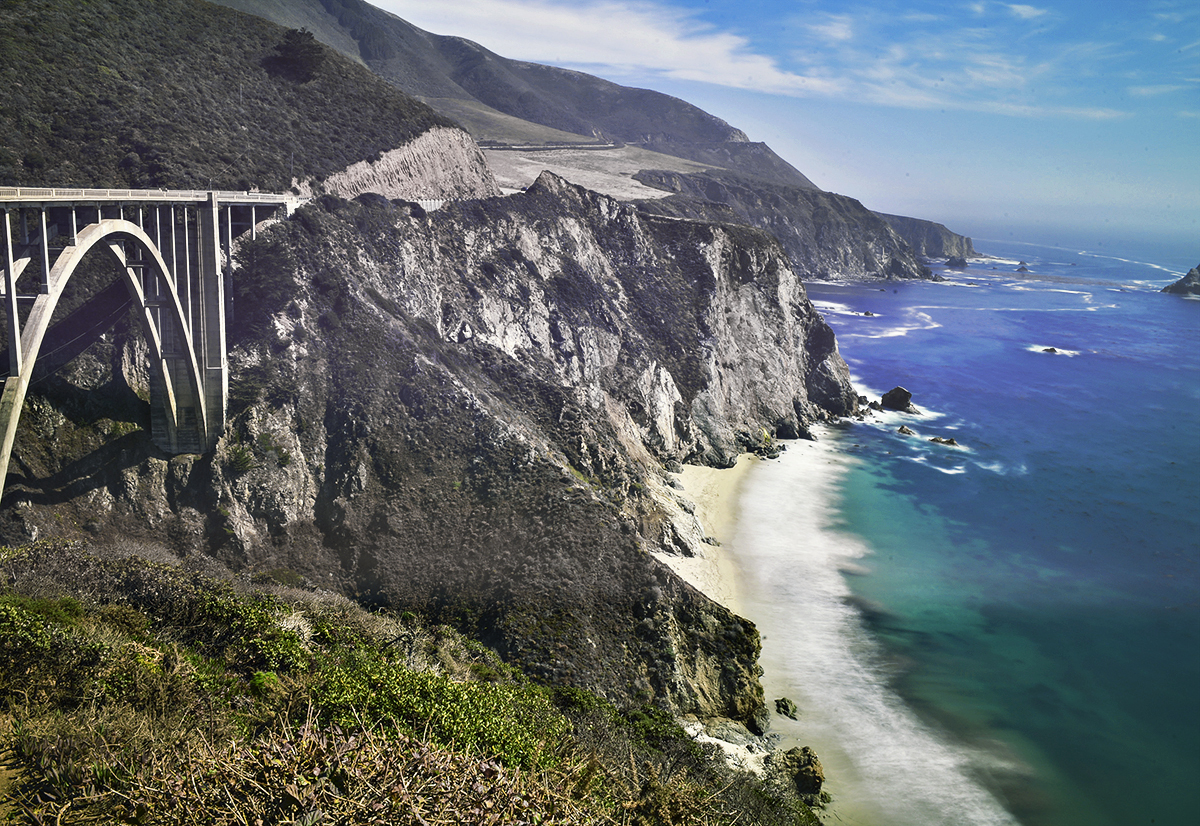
1035 593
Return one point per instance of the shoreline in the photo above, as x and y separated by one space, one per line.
722 576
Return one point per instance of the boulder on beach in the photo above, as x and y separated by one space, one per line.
898 399
803 767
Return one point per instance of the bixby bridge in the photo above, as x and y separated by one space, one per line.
174 250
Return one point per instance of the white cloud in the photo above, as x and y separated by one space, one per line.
865 54
1025 12
837 27
1153 91
622 36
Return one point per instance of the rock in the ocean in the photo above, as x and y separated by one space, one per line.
898 399
939 440
1188 285
786 707
1022 268
1049 350
904 430
956 262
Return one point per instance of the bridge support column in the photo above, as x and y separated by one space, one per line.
210 306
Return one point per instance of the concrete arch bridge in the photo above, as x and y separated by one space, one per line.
173 249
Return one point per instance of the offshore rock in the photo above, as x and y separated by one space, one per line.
1188 285
898 399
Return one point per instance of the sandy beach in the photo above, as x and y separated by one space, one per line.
715 492
720 574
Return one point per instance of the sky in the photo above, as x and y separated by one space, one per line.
1068 122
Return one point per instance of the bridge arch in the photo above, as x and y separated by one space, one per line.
177 384
175 272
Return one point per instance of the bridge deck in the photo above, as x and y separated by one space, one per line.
25 196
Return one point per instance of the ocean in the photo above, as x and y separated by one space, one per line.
1007 630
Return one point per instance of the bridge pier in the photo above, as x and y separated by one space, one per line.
175 271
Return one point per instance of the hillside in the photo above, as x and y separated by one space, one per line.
157 692
532 117
183 95
492 95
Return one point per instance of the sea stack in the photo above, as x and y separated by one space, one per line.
1188 285
898 399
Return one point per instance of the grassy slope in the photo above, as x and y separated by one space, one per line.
139 692
180 93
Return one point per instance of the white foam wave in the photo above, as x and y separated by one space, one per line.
1153 266
1000 469
880 755
1051 350
826 307
924 460
915 320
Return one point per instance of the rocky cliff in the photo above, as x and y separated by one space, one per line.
439 164
829 237
458 413
929 238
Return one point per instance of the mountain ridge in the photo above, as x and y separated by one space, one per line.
440 67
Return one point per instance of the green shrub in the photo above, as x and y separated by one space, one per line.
514 723
241 459
63 611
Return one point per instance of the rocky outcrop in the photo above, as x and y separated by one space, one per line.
799 768
441 164
828 237
929 238
459 413
898 399
1188 285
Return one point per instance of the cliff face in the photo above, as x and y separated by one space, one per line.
828 237
460 413
929 238
442 163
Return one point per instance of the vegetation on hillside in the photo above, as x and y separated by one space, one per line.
181 93
141 692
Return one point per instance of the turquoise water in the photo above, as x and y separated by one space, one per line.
1027 605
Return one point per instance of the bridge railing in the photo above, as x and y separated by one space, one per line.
26 193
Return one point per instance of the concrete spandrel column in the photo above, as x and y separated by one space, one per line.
210 337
